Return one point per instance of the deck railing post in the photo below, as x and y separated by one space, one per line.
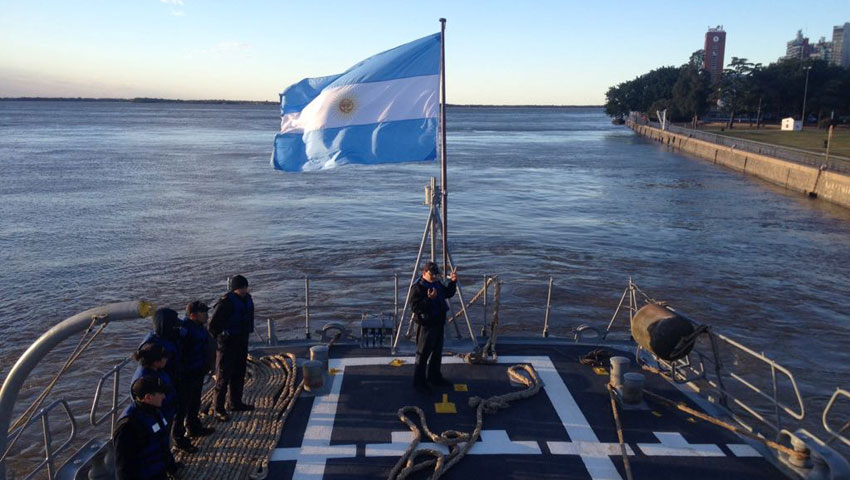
270 331
114 417
307 306
48 441
484 303
395 300
548 309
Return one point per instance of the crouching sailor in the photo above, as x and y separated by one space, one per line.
195 345
231 324
141 436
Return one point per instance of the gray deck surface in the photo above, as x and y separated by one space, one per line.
346 433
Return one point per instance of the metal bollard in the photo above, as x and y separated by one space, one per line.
319 353
618 366
314 378
632 391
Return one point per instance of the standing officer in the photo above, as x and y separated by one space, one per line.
428 300
231 324
141 436
194 342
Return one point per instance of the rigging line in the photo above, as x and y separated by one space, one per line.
25 417
623 451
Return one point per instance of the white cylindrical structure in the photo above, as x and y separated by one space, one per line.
319 353
619 365
632 391
313 376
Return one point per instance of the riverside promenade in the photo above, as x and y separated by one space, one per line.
826 180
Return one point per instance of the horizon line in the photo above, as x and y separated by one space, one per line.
223 101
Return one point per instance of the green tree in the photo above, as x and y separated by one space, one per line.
691 91
734 87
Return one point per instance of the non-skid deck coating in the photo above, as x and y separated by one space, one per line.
565 432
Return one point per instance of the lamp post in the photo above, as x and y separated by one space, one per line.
805 92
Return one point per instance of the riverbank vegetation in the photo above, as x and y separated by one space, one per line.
746 90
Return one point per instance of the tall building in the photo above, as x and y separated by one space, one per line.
822 50
841 45
798 48
715 47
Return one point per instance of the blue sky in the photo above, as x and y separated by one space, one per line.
498 52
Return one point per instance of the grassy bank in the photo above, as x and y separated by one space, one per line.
811 139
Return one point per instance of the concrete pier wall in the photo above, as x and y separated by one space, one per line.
830 186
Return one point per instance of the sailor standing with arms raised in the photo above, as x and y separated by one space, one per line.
428 299
231 324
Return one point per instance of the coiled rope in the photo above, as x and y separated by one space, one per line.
458 443
241 447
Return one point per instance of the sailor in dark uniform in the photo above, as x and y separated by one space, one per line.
152 360
141 436
195 342
231 323
166 333
428 300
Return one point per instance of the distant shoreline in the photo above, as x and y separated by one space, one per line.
241 102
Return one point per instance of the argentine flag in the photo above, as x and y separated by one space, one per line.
385 109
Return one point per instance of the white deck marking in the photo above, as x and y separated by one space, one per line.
599 466
673 444
492 442
743 450
590 449
315 450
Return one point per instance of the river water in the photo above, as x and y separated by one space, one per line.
104 202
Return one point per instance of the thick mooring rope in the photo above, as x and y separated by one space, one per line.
487 355
458 443
241 447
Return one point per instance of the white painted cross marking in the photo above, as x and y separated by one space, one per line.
673 444
315 450
491 442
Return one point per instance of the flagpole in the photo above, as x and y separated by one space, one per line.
443 186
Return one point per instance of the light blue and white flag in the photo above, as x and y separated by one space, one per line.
385 109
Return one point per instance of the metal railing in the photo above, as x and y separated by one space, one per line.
797 411
834 163
47 437
115 374
837 434
313 309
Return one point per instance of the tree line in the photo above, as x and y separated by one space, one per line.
749 90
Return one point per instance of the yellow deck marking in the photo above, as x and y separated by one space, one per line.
461 387
445 406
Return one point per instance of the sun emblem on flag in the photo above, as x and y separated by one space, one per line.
346 106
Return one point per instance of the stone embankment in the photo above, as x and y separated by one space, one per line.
812 181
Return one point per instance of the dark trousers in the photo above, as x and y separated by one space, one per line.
194 385
231 360
429 354
177 428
